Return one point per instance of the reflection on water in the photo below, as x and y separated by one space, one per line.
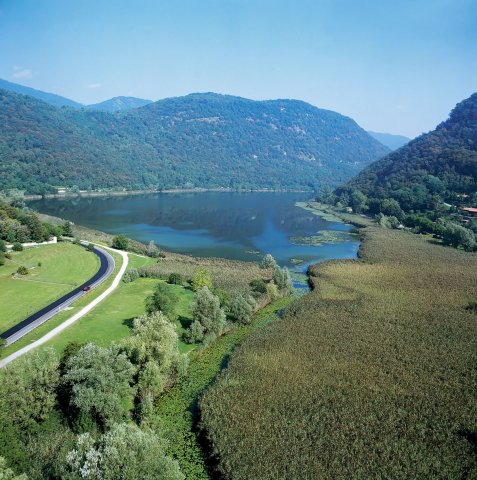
240 226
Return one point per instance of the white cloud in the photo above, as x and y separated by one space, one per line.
19 72
94 86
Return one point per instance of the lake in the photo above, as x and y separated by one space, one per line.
241 226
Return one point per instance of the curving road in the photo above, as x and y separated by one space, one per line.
33 321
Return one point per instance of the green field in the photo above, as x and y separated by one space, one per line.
372 375
63 267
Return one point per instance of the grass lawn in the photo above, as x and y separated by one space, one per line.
112 319
63 267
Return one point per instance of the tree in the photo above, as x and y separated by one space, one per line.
28 387
201 279
268 262
282 279
17 247
206 310
67 230
90 247
120 242
124 453
458 236
99 380
152 250
163 299
241 309
358 201
7 474
195 332
391 208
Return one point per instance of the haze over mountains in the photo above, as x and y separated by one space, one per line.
200 140
391 141
439 165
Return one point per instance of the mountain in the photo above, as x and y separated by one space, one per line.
51 98
119 103
202 140
391 141
439 165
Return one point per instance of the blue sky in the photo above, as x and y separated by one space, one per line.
395 66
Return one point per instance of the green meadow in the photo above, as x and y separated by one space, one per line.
53 271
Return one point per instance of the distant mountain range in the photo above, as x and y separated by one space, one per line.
51 98
200 140
112 105
439 165
391 141
117 104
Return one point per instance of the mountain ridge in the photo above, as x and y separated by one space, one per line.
200 140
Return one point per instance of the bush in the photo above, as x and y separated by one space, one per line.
131 275
3 246
2 259
120 242
22 270
162 299
258 285
175 279
90 247
17 247
472 306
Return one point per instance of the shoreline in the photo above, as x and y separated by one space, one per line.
125 193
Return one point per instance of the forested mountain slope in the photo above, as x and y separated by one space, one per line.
204 140
439 165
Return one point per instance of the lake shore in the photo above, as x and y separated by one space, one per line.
123 193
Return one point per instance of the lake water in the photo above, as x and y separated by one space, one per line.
242 226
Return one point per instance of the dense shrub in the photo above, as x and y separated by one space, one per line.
22 270
162 299
175 279
17 247
120 242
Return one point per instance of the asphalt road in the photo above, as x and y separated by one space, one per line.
35 320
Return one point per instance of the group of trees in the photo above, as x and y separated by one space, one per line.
435 218
79 405
22 225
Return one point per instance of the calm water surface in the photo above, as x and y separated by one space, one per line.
240 226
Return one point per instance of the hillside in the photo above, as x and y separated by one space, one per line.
391 141
51 98
117 104
439 165
204 140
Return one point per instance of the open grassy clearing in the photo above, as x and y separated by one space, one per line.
63 315
372 375
112 319
63 267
